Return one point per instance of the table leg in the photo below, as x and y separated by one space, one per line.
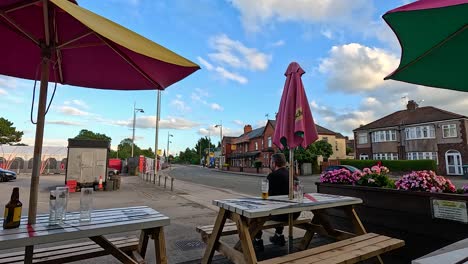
245 238
357 225
143 244
160 245
214 237
28 254
255 226
113 250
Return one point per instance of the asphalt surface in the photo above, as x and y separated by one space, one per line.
236 182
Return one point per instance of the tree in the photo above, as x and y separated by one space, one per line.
87 134
310 154
8 133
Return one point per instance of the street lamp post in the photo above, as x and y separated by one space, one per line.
221 143
135 110
168 136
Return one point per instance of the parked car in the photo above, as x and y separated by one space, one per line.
339 167
6 175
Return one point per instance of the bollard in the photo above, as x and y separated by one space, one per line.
159 180
165 179
172 184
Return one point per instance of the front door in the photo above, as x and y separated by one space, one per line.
453 162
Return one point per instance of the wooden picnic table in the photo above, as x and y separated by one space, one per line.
250 214
103 222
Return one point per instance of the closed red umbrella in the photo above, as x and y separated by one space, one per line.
61 42
294 122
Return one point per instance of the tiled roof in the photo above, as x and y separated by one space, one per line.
320 129
256 133
407 117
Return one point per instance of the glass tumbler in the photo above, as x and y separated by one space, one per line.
86 204
265 186
52 208
61 204
298 191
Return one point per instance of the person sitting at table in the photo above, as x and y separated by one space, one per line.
278 184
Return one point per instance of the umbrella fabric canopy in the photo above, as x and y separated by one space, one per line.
294 123
433 35
64 43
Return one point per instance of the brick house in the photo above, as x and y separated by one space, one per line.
416 133
257 144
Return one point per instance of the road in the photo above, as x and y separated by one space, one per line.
225 180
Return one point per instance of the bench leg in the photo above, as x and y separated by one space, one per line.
357 225
28 254
245 238
160 245
214 237
143 244
113 250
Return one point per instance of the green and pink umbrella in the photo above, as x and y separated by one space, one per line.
433 35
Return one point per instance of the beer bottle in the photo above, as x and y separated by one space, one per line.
12 216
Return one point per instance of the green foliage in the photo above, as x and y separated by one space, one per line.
376 180
87 134
257 164
349 150
319 148
8 133
394 165
189 156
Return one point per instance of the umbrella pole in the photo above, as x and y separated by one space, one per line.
158 110
32 211
291 196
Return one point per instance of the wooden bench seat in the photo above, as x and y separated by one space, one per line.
230 228
347 251
71 252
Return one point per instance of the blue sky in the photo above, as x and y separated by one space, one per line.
244 48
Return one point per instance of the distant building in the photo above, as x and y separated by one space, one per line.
257 144
414 134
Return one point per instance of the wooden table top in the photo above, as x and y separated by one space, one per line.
277 205
104 221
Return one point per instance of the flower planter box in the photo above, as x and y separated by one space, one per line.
405 215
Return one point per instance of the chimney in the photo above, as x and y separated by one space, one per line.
412 105
247 129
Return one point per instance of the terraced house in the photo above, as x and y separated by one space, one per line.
416 133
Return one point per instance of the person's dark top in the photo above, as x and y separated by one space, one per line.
278 182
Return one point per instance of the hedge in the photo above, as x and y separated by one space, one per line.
394 165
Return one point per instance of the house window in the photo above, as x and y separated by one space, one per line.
385 156
256 145
246 147
420 132
363 156
384 136
422 156
269 142
449 131
325 139
362 138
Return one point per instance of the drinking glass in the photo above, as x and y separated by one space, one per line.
61 203
86 204
52 208
298 191
265 185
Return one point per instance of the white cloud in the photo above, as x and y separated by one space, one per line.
207 65
150 122
180 105
3 92
354 67
7 83
327 33
225 74
238 122
278 43
64 123
48 142
68 110
236 54
216 107
259 13
77 103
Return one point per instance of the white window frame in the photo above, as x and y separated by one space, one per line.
451 129
385 156
362 138
384 136
420 132
422 155
363 156
256 145
269 142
